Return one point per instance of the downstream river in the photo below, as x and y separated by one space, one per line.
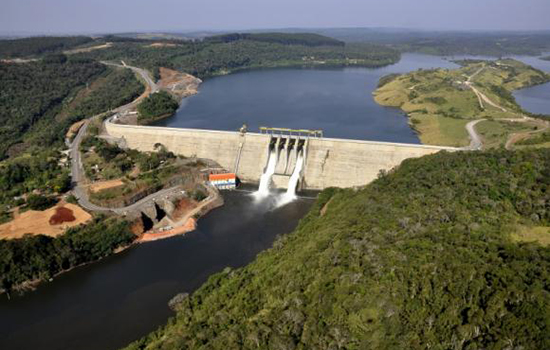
108 304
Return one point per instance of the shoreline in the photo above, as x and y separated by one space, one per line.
215 200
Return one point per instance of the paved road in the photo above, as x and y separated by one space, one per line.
142 72
77 169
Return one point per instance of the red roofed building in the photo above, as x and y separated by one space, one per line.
224 181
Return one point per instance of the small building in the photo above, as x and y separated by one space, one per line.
225 181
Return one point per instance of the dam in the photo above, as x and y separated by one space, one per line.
326 162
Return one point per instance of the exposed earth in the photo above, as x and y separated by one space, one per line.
178 83
50 222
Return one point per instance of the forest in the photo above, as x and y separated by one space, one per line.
448 43
38 171
158 105
216 56
119 87
424 257
32 94
305 39
39 258
33 46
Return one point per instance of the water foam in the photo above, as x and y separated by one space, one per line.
265 179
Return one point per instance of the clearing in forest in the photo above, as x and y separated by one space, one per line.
50 222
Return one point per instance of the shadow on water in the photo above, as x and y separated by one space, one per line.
108 304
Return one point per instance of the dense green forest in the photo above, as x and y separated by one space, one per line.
155 106
31 95
41 257
306 39
447 43
220 56
40 170
39 45
422 258
118 88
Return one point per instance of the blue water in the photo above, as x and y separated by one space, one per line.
337 101
110 303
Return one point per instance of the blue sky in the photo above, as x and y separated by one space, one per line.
100 16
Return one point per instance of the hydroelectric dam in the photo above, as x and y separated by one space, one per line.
306 161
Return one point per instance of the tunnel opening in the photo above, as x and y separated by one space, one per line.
282 143
272 143
160 212
291 144
147 222
301 144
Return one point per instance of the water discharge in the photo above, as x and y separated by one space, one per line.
265 179
290 194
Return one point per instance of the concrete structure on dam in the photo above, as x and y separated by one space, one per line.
327 162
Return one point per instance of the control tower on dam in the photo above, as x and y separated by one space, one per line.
326 162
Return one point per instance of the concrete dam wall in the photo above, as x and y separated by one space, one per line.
327 162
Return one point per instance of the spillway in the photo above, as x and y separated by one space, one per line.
265 179
290 193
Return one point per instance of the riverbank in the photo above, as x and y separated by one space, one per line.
183 225
124 296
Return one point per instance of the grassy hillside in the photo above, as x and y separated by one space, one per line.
430 256
440 103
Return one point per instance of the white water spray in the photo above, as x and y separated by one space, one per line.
265 179
290 194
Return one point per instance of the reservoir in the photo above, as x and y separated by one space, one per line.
106 305
336 100
535 99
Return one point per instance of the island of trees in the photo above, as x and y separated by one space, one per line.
156 106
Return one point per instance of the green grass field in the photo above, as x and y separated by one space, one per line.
495 132
440 103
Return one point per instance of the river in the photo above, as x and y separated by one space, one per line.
110 303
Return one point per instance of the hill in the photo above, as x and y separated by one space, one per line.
431 255
223 54
448 43
441 102
306 39
39 45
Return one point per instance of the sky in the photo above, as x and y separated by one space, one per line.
111 16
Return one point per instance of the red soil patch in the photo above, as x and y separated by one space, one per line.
189 226
62 215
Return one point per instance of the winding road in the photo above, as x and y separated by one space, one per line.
475 139
77 168
476 142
